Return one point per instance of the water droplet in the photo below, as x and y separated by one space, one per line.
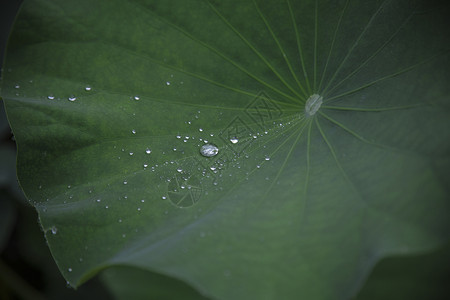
164 197
51 97
209 150
145 165
148 151
234 140
133 131
54 230
72 98
136 98
142 200
87 88
69 269
178 136
98 200
139 209
267 158
179 170
17 86
131 153
313 104
125 182
167 82
200 129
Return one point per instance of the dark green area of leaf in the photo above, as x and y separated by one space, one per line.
110 102
424 276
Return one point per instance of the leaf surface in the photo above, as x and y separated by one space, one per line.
111 102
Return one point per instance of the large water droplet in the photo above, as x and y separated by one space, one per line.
313 104
209 150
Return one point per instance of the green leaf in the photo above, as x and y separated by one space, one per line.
134 283
423 276
111 101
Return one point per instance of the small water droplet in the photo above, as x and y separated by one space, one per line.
98 200
133 131
87 88
69 269
267 158
72 98
125 182
200 129
234 140
209 150
142 200
145 165
178 136
51 97
136 98
17 86
131 153
54 230
167 82
179 170
164 197
148 151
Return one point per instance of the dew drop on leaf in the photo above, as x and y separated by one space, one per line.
313 104
209 150
72 98
234 140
